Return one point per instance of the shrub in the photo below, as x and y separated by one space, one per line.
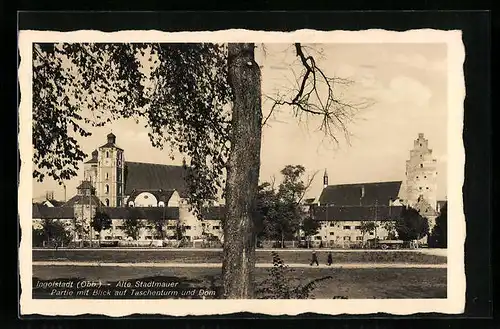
279 284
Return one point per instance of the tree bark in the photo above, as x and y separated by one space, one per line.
242 172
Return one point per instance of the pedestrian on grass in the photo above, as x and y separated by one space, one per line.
314 258
329 260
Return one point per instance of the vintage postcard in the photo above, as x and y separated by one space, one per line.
203 173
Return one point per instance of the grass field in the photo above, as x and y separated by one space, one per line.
350 283
215 256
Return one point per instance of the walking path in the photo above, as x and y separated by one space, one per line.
437 252
218 265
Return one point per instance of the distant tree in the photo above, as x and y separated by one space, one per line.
390 227
158 227
100 222
132 226
279 210
53 231
368 227
410 225
439 234
310 226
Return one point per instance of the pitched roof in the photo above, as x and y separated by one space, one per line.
44 212
83 199
85 185
151 213
160 195
360 194
356 213
151 176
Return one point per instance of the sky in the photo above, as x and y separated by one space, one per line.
404 88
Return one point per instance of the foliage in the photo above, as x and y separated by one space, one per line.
310 226
368 227
279 284
180 230
180 90
51 231
158 226
279 210
439 234
390 227
132 225
101 221
410 225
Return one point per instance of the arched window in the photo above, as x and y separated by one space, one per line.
421 165
161 204
131 204
107 176
107 189
107 202
107 154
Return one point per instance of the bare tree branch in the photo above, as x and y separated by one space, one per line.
317 94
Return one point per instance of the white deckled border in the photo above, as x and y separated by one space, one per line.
455 302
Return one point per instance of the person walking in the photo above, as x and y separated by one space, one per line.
329 260
314 258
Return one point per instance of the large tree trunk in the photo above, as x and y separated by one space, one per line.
242 172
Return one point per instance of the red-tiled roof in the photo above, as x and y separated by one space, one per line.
361 194
356 213
151 176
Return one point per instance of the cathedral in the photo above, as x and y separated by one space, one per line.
120 183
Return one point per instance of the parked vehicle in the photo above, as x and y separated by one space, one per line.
385 244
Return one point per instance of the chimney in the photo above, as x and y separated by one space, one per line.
325 179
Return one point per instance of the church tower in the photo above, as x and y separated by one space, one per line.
110 173
325 179
421 176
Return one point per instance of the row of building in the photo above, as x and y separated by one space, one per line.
155 192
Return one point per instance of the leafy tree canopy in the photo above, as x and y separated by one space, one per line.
411 225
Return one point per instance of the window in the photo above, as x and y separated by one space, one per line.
347 227
107 202
216 227
420 145
107 154
119 203
421 165
332 224
187 227
425 176
372 233
421 156
107 189
107 176
358 238
331 233
357 227
148 237
420 188
417 177
347 238
427 188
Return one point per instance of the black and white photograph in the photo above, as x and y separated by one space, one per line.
175 172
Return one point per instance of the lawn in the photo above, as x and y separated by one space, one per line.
215 256
347 283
